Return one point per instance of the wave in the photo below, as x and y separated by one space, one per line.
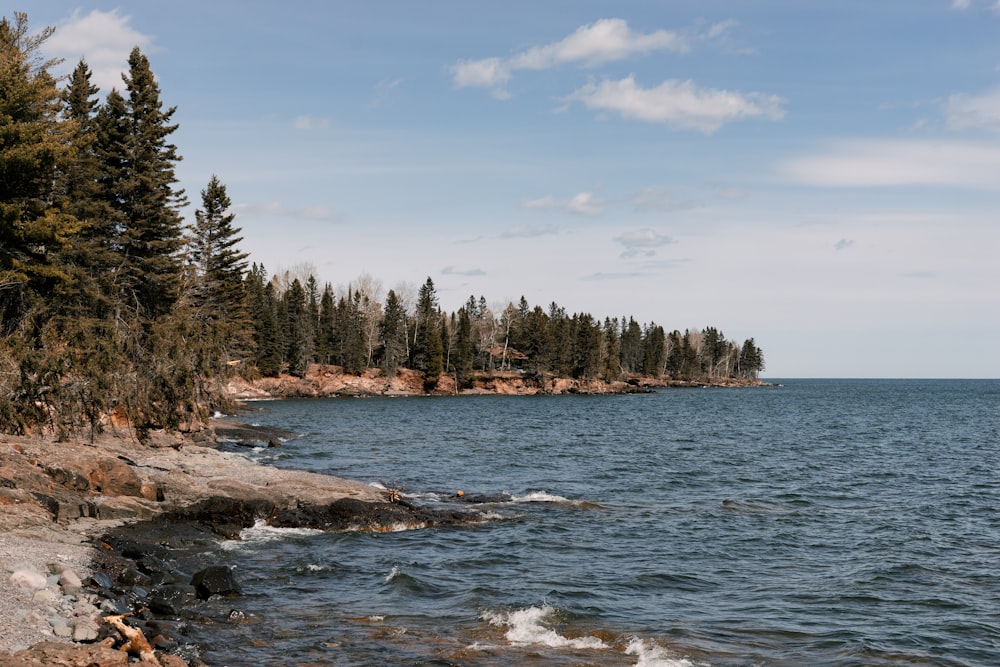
530 627
525 627
652 655
261 532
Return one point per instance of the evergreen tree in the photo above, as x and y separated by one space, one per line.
462 359
654 351
150 204
219 296
751 360
299 330
393 330
428 350
34 146
325 332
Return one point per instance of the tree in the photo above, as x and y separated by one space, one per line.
219 296
428 349
463 357
393 330
152 234
268 342
751 360
34 147
299 330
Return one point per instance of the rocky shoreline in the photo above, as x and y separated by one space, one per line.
95 564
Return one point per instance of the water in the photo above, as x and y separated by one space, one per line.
821 522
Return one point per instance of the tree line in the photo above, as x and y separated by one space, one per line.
296 324
111 306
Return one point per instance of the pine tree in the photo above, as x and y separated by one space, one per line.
299 330
150 204
218 293
34 147
428 349
463 355
393 330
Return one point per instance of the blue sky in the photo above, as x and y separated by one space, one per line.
824 177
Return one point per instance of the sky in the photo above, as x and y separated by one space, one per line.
823 177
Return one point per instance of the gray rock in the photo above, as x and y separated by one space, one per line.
32 580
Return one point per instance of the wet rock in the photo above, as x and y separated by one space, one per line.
171 600
353 514
215 580
100 580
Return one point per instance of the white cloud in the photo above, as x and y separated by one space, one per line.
585 204
487 73
965 112
103 39
542 203
677 103
606 40
642 242
582 203
881 163
960 4
529 231
310 123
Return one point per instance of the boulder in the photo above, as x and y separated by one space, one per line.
215 580
171 600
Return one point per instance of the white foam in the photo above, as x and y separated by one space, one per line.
524 627
540 497
261 532
651 655
393 573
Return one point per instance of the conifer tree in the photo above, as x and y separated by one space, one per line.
218 293
393 330
34 147
150 204
428 348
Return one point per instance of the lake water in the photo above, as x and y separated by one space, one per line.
820 522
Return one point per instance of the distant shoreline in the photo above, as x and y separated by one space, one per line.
331 382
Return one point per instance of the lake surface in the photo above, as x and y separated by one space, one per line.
820 522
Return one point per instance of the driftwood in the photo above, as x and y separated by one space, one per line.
135 642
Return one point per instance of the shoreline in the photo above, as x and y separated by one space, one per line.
67 505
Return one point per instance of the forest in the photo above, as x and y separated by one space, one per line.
113 306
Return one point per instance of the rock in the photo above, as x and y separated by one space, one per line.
67 655
85 630
45 596
215 580
114 477
171 600
69 578
29 579
60 627
168 660
100 580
